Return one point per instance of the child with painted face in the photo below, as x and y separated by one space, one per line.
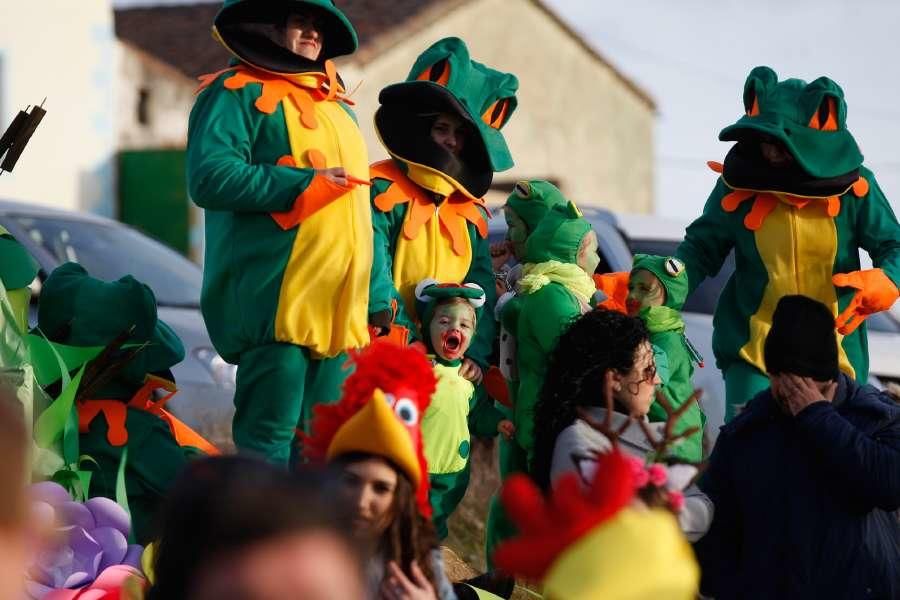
656 286
450 318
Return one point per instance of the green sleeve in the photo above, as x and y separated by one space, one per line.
481 272
381 285
484 417
707 241
382 292
547 320
223 171
878 231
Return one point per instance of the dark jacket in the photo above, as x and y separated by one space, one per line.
802 503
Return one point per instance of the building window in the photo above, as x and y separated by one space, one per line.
143 106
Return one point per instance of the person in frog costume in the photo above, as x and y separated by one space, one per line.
450 315
656 286
442 129
555 288
276 158
795 203
120 396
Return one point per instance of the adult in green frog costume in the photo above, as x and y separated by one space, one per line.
121 396
657 285
275 157
796 204
17 271
442 129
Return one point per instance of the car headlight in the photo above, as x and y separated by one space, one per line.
223 373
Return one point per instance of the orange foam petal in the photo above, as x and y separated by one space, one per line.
731 201
833 206
762 206
715 166
419 215
307 107
207 79
316 158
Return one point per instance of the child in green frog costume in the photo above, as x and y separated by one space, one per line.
657 285
80 316
442 129
796 204
449 319
275 157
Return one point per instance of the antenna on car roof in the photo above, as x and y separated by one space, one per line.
16 136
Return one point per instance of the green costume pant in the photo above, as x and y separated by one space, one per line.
277 386
512 458
447 491
742 382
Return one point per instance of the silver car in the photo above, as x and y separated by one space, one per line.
109 250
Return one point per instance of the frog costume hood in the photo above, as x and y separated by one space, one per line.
809 120
17 270
77 310
444 79
249 30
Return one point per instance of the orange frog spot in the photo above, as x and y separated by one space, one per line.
731 201
316 158
861 187
763 205
715 166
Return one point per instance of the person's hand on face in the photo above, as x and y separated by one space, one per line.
397 586
795 393
303 35
644 290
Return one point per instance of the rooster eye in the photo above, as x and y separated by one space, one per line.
407 411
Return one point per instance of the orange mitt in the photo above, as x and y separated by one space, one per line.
876 293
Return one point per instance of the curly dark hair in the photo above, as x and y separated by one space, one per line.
598 341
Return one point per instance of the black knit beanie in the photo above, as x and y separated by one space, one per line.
802 340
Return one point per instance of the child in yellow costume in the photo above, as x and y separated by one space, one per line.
450 316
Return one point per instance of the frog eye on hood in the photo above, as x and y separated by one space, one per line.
496 113
825 118
439 73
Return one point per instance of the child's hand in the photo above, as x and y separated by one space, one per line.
506 428
470 370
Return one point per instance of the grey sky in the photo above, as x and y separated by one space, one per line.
693 56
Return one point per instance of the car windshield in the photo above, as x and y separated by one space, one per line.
110 251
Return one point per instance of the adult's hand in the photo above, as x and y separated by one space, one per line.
470 370
797 392
397 586
336 175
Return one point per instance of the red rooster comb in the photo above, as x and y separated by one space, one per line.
550 525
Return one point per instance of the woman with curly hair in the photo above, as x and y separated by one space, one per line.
605 358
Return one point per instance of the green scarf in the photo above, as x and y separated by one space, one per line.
662 318
570 276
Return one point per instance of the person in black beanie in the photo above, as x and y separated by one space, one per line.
805 478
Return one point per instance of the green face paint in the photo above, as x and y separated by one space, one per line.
588 259
451 329
644 291
516 232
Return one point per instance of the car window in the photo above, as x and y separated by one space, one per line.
111 251
705 297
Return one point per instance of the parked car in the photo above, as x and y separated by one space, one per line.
109 250
656 235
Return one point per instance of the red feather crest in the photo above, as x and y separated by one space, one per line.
548 526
